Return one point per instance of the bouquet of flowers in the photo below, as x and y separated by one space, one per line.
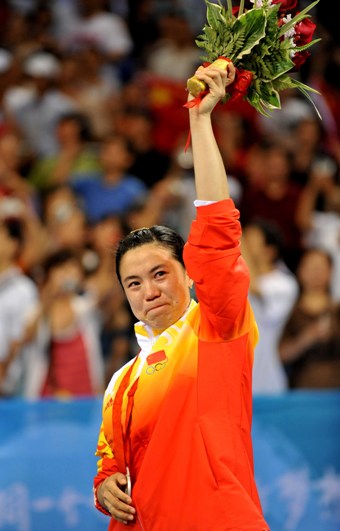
266 43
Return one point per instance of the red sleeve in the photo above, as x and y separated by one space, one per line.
213 260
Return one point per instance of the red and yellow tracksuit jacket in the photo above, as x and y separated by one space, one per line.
188 444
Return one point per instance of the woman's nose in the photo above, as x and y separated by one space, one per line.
151 291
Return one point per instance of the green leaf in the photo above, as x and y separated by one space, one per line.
200 43
306 46
283 82
280 67
254 99
269 96
253 25
213 15
272 18
289 82
239 41
227 51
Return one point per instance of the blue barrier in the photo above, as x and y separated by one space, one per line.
47 463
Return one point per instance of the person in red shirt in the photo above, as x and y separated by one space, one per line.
174 448
64 334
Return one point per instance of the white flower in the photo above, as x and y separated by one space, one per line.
291 51
261 3
290 33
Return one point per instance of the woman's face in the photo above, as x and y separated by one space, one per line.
255 243
106 233
65 278
315 271
156 285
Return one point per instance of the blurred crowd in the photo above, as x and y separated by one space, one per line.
93 144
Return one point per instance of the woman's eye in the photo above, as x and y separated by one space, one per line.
133 284
160 274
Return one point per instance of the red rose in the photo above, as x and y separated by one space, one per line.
243 79
286 5
299 58
235 10
304 31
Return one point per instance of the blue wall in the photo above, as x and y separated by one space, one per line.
47 463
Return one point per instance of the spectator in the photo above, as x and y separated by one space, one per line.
309 145
142 22
326 79
76 157
30 28
149 163
169 201
11 181
310 342
276 200
88 79
174 55
169 63
114 191
107 31
18 294
37 111
319 214
65 358
17 34
34 236
64 220
6 79
235 134
20 201
273 292
101 281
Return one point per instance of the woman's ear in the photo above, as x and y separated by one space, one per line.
189 281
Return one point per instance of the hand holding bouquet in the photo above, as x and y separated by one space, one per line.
265 43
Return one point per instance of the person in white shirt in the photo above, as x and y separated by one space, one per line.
37 107
18 294
273 292
106 31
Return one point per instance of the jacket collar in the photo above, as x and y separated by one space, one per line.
147 336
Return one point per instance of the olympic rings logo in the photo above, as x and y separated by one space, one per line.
151 369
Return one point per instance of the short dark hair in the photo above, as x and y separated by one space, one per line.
118 138
317 250
82 121
59 258
164 236
272 233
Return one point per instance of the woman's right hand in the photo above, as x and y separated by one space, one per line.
217 81
112 497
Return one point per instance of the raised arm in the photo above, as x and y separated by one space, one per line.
212 254
210 175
